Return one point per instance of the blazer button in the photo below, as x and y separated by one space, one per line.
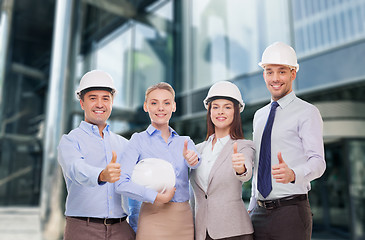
206 196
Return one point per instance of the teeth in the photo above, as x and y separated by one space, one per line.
99 111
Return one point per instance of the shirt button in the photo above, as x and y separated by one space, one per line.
110 197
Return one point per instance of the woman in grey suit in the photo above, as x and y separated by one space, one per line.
226 163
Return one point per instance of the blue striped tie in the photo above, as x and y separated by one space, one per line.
264 170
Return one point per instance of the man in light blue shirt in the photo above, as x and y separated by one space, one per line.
280 209
88 157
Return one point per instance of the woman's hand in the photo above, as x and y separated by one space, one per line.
238 161
190 156
165 196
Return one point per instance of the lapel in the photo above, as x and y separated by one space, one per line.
225 155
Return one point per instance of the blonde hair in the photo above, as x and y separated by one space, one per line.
161 85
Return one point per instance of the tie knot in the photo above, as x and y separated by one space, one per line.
274 105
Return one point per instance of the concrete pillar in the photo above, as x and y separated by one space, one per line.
5 26
52 182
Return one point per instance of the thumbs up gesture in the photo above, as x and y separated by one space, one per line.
190 156
111 173
281 172
238 160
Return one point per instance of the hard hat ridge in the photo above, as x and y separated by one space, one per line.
224 89
96 79
281 54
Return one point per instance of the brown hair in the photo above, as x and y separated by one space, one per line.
161 85
235 130
83 92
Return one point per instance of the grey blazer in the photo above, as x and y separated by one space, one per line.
221 210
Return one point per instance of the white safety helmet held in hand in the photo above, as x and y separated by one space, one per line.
95 78
154 173
279 53
224 89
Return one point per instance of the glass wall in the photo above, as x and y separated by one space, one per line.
228 37
138 54
323 31
320 25
356 154
113 54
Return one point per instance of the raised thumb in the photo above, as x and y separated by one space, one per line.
114 158
281 160
185 147
235 147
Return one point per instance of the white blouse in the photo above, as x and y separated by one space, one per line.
209 156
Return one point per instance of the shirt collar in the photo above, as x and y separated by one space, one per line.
222 140
286 100
91 128
151 130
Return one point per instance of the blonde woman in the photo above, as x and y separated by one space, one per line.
166 215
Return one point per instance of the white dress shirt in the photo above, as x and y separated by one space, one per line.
297 134
209 156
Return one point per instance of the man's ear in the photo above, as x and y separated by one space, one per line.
82 104
294 74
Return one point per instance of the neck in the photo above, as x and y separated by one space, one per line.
164 129
220 133
101 128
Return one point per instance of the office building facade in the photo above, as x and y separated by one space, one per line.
190 44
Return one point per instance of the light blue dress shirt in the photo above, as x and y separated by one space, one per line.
150 144
298 134
83 154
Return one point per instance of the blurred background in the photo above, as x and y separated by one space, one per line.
47 45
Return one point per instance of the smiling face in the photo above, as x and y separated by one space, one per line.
97 106
279 80
160 105
222 114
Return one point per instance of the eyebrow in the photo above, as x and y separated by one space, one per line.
280 68
164 100
95 95
231 104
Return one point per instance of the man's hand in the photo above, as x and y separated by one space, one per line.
111 173
166 195
190 156
281 172
238 161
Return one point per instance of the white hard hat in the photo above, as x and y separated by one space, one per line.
279 53
224 89
154 173
95 78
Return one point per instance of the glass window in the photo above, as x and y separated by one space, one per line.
138 55
357 185
153 52
343 20
113 55
228 37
